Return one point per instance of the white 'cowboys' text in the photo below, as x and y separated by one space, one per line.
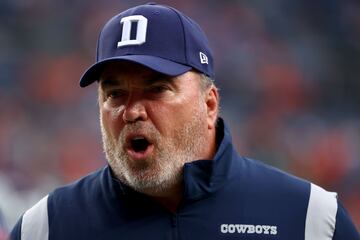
247 228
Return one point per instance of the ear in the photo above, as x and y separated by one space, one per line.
212 104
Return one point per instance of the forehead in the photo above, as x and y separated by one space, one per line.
122 72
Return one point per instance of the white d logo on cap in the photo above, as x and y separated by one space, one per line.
126 32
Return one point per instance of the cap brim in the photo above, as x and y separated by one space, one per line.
157 64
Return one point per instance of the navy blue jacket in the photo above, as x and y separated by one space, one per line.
229 197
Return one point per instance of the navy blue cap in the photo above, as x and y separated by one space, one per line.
156 36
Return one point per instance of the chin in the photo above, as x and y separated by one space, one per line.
151 182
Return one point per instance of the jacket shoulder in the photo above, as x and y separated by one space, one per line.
320 210
274 179
34 223
79 190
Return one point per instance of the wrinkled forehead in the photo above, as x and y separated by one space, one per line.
125 73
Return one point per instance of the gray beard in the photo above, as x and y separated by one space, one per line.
162 171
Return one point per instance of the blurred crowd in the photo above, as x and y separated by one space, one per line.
288 73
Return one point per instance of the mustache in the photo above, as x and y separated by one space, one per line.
144 128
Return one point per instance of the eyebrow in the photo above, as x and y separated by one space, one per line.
108 82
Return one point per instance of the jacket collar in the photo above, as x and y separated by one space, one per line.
203 177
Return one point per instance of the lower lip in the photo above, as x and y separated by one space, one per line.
140 155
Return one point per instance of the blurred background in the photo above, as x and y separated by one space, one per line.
288 73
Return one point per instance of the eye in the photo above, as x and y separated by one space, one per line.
158 89
114 94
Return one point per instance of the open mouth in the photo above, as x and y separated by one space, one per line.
139 144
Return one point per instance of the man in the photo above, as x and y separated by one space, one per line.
173 172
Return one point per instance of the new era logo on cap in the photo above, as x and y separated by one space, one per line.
156 36
203 58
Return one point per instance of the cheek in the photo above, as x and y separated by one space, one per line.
111 119
160 117
168 118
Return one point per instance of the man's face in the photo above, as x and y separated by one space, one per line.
152 125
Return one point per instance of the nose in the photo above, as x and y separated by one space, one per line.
135 109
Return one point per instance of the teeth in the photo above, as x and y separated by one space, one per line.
138 138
